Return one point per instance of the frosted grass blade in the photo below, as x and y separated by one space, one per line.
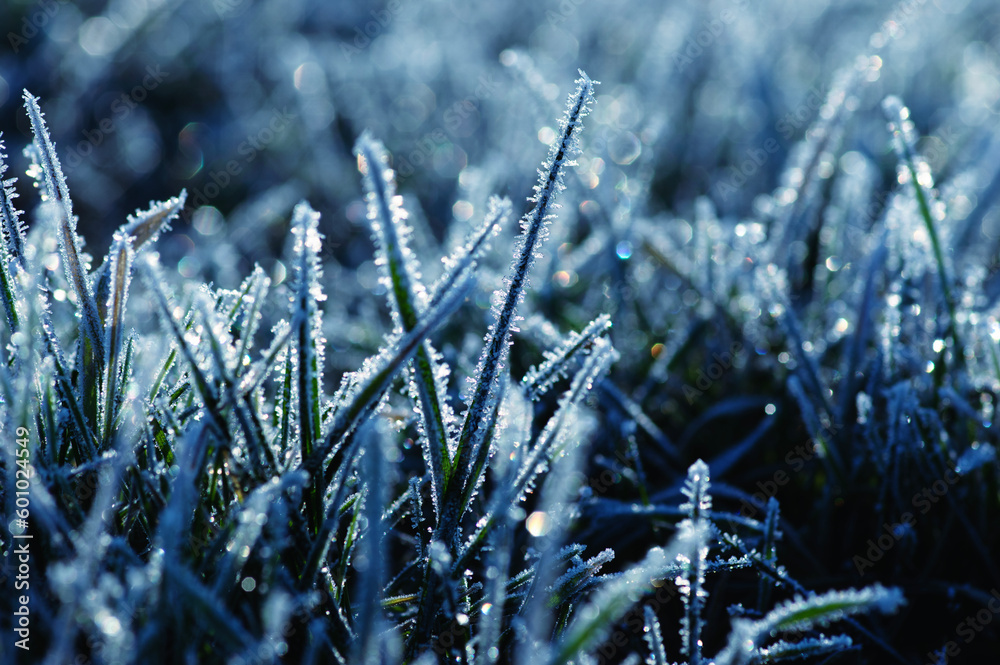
695 531
610 602
308 345
494 356
10 217
74 260
143 228
558 361
803 613
122 256
408 299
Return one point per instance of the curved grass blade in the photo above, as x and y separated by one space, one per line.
803 613
143 228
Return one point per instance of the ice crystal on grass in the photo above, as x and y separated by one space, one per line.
120 277
307 329
805 613
534 227
75 262
199 495
695 527
400 274
10 216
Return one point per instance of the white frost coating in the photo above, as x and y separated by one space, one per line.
558 361
75 261
120 274
803 613
534 228
399 270
307 323
10 216
695 530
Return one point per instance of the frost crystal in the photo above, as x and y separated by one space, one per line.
492 362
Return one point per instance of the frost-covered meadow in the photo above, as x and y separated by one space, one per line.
593 331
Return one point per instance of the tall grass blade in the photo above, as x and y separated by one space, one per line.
122 256
494 357
408 299
75 262
10 217
309 342
692 584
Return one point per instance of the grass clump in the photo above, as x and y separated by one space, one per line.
196 494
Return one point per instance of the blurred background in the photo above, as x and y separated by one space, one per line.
253 105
